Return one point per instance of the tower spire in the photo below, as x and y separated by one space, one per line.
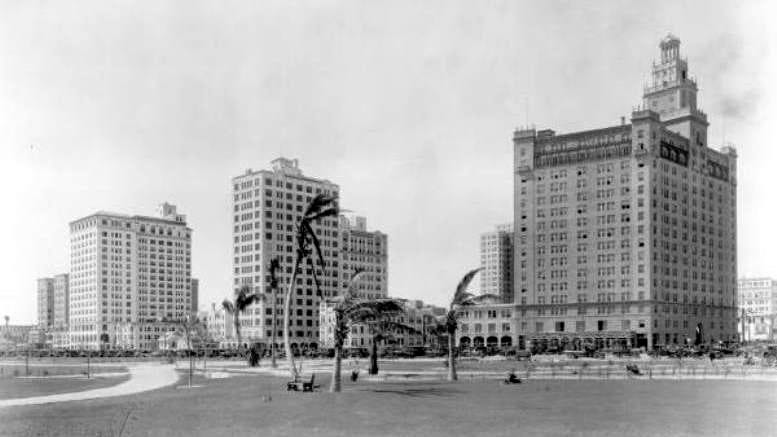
672 93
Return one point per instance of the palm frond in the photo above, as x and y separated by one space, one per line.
474 300
463 284
228 306
365 310
329 212
393 326
355 277
308 230
319 203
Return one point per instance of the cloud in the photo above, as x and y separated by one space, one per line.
740 106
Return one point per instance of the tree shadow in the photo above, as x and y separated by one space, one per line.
417 392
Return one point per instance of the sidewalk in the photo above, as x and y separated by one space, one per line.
143 377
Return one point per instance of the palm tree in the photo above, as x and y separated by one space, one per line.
7 319
349 309
320 207
243 299
451 320
275 264
384 329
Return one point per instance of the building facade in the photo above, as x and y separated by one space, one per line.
627 234
364 250
60 338
417 315
130 278
45 303
757 298
496 261
12 336
195 295
220 325
491 324
267 206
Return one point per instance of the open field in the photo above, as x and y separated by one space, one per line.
239 405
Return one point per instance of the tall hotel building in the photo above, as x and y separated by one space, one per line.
365 250
496 259
130 278
267 206
627 234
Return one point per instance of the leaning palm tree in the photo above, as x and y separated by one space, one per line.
321 206
451 319
243 299
349 309
384 329
275 264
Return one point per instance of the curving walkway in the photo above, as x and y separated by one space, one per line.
143 377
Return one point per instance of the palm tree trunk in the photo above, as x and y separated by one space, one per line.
274 315
286 310
237 331
451 359
374 357
336 370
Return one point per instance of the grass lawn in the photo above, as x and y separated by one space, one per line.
11 388
235 406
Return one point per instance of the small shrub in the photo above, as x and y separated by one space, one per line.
45 372
15 372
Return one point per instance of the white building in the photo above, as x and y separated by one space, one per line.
627 234
758 308
220 324
417 315
496 260
130 278
267 206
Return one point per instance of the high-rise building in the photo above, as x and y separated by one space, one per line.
130 278
627 234
267 207
195 295
59 331
364 250
45 303
757 298
496 260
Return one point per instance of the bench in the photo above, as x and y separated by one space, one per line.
305 386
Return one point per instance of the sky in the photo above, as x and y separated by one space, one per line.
408 106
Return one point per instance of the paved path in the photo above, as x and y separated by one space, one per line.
143 377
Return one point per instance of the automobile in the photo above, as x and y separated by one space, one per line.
358 352
524 354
